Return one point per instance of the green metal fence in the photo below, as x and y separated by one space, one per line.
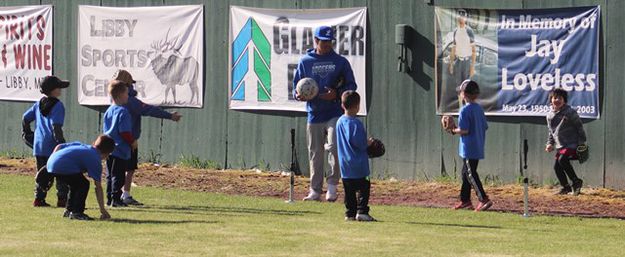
401 105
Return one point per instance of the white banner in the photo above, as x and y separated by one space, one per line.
272 41
25 51
162 47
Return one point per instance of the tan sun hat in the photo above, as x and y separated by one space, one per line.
123 76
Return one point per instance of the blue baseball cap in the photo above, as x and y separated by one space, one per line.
324 33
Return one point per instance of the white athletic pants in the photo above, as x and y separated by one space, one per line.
322 138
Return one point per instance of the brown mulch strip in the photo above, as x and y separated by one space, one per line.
593 202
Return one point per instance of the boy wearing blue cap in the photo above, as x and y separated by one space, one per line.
69 161
333 75
471 128
117 124
49 115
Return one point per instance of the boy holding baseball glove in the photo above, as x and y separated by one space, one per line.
352 145
471 128
566 134
117 124
49 115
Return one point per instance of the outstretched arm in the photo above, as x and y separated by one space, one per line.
136 106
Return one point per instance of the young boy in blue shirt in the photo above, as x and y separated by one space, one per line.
118 125
137 108
69 161
352 145
49 115
472 128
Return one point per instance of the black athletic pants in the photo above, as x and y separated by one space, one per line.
471 179
354 204
115 178
78 191
563 168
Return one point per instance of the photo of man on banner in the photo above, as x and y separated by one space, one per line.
463 50
467 49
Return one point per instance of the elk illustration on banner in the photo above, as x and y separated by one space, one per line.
173 69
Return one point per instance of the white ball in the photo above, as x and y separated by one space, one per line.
307 88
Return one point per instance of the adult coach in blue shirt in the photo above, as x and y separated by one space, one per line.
69 161
333 75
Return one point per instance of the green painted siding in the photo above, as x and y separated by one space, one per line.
401 105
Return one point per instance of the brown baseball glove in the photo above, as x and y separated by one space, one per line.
375 148
447 122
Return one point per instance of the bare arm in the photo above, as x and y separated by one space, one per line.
473 58
452 57
458 131
100 197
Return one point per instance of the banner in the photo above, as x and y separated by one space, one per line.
162 47
517 57
267 44
25 51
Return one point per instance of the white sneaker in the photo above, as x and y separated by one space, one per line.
364 217
331 195
312 196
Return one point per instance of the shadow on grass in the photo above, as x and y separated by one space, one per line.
454 225
218 210
133 221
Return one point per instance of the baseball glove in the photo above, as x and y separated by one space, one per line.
29 138
582 153
375 148
447 122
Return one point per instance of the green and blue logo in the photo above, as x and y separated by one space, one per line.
251 41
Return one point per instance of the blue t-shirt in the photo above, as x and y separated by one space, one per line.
472 119
351 142
117 120
326 71
44 142
73 158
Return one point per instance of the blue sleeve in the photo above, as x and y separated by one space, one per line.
464 122
485 123
357 135
125 121
471 36
58 114
29 115
349 82
297 76
94 168
137 107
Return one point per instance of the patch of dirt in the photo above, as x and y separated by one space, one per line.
593 202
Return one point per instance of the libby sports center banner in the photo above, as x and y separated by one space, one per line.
267 44
25 51
162 47
517 57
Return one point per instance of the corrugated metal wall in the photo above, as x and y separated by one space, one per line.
401 105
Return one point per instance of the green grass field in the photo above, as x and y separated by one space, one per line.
182 223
